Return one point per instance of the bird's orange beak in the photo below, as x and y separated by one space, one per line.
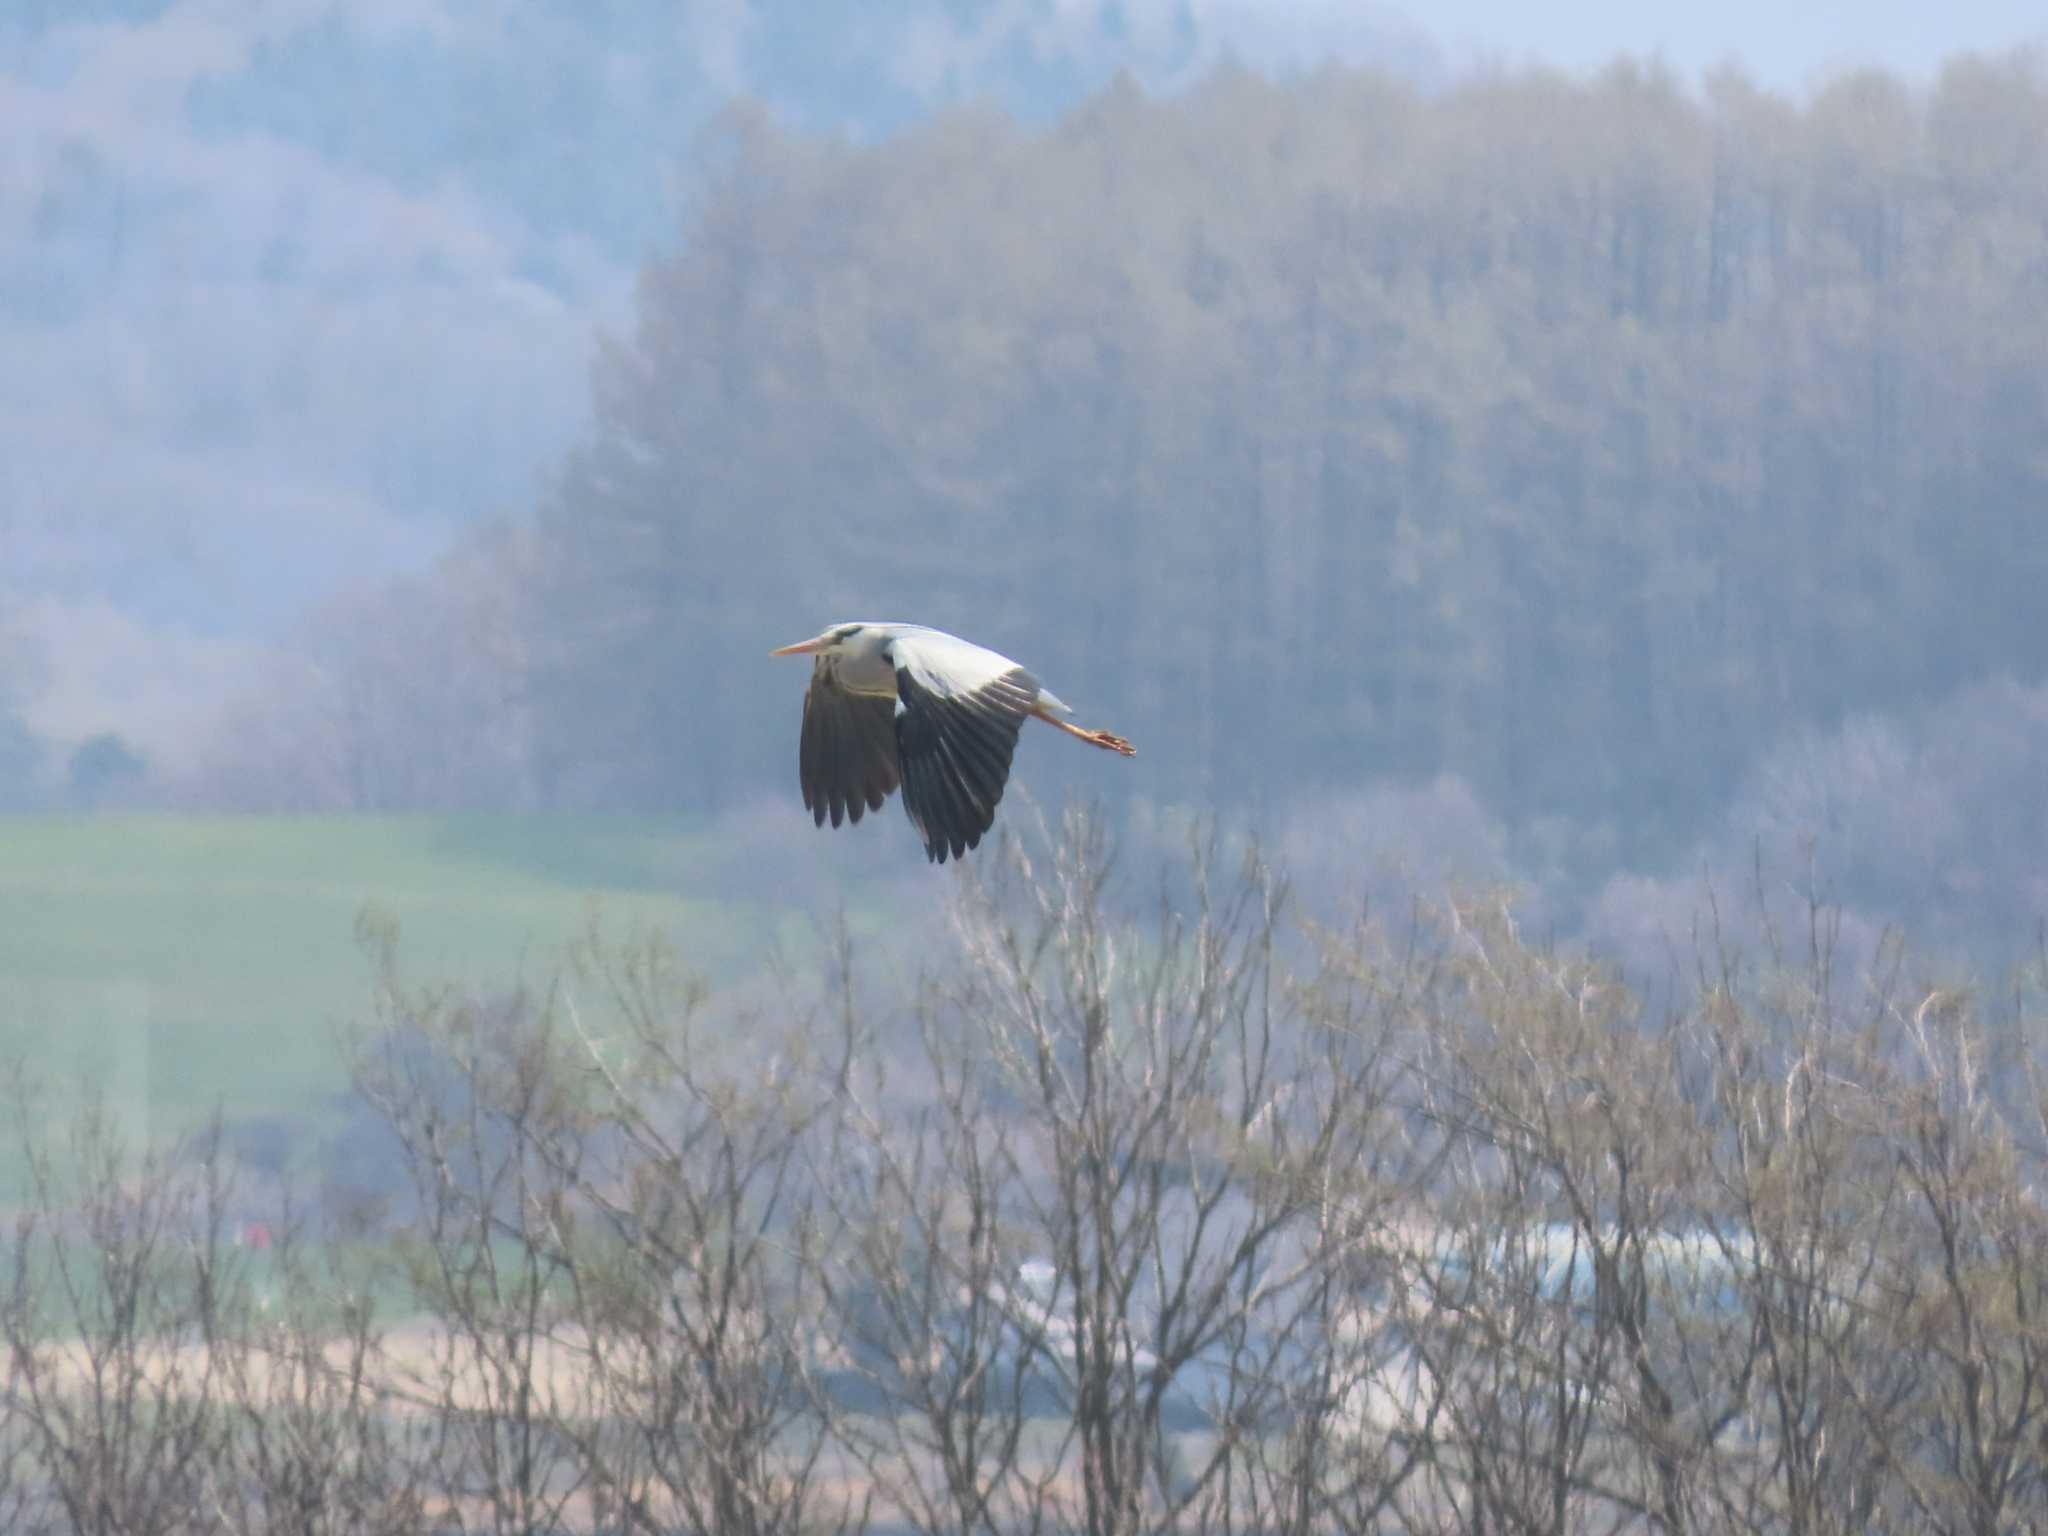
802 648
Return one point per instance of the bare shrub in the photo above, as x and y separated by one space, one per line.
1121 1226
119 1274
609 1253
1095 1281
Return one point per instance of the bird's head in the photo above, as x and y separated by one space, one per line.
839 640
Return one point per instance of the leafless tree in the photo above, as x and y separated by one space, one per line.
1963 1268
611 1254
321 1442
704 1322
1159 1214
470 1089
118 1265
1102 1269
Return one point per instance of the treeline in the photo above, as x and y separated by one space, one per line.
1110 1226
1579 438
1576 438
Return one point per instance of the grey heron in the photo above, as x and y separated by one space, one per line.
900 704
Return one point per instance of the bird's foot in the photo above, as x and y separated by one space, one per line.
1109 741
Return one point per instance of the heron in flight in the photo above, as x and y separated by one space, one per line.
900 704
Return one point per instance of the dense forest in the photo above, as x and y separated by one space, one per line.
1579 439
1587 440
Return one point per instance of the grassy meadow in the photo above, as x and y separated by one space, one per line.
189 962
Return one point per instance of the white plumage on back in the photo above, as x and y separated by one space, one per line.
951 667
903 705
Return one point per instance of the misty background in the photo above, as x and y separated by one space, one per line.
1582 448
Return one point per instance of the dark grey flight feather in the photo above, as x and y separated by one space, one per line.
950 754
846 758
954 754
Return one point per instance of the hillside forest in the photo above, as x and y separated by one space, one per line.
1636 458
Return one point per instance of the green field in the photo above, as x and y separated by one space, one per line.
188 962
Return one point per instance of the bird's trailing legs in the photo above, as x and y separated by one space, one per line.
1106 740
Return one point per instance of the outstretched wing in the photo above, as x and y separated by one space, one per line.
958 710
846 759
